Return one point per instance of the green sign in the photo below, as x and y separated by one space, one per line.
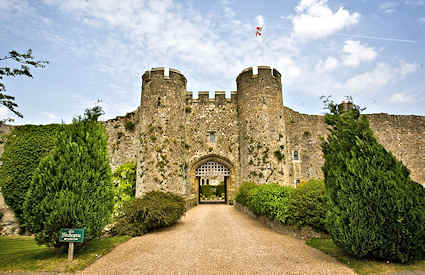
72 235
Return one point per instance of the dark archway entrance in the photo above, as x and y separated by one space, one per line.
212 178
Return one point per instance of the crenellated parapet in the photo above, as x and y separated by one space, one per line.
265 72
159 73
204 98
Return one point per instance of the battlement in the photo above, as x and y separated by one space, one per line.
204 97
264 71
159 73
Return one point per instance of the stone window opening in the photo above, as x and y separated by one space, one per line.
212 137
297 182
158 102
296 155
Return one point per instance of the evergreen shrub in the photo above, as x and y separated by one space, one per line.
308 205
375 209
242 194
24 148
124 180
154 210
270 200
72 187
219 189
207 190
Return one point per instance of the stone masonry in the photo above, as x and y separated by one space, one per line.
251 133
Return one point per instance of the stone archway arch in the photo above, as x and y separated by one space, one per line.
218 159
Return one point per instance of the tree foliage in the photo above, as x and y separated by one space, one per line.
124 179
72 187
23 68
375 209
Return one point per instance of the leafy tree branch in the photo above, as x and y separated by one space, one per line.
25 61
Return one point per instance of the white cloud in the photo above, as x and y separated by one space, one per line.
260 20
51 117
5 113
314 19
415 2
406 68
368 81
354 53
389 7
422 20
382 75
161 33
330 64
402 98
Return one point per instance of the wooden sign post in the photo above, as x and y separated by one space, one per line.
71 236
70 252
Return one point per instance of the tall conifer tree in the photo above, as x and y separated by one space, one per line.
375 210
72 187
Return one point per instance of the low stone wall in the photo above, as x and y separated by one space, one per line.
303 233
191 202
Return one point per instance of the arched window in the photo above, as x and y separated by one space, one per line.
296 155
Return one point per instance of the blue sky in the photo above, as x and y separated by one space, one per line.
98 49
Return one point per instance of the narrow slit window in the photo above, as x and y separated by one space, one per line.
212 137
296 155
158 102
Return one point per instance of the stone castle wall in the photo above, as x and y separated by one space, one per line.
256 137
217 116
403 135
262 129
122 141
161 161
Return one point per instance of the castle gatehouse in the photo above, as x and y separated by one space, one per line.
181 143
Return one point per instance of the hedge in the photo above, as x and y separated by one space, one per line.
242 195
154 210
23 150
304 205
308 205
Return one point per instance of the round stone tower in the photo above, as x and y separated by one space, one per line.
262 136
161 157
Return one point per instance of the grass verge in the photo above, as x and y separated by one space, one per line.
23 254
362 266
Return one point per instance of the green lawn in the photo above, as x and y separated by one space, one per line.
23 254
362 266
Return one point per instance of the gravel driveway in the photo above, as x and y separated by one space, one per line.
216 239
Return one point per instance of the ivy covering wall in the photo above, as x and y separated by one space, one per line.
23 150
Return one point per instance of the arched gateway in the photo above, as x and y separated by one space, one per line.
212 178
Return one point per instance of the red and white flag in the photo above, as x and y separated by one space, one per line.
260 26
259 31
